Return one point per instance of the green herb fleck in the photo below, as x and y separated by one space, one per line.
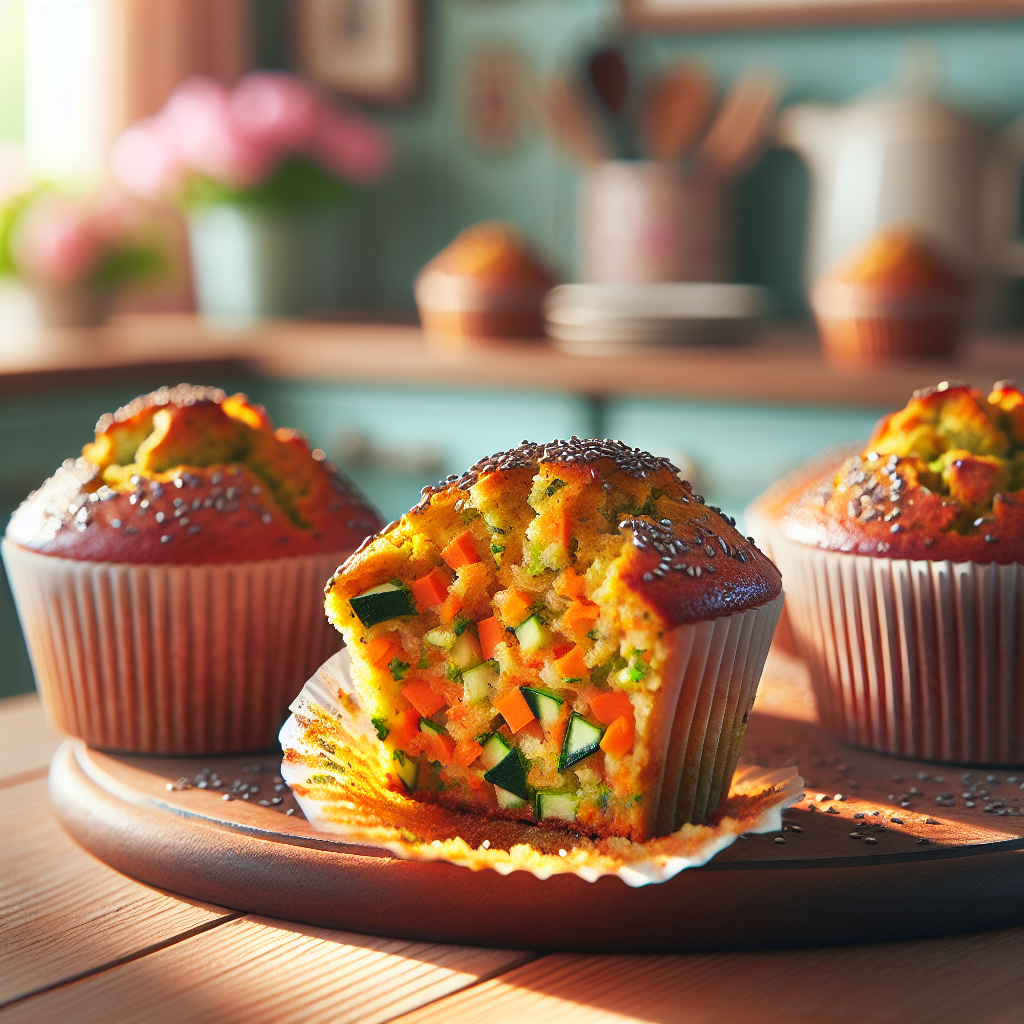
399 669
380 725
460 624
424 661
496 549
453 673
555 485
593 635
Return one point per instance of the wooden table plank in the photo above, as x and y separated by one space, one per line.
973 978
63 912
257 969
26 740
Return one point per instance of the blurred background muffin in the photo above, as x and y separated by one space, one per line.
903 572
898 296
169 581
486 284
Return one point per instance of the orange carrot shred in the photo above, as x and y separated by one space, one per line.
403 729
451 607
513 606
430 590
579 618
514 709
618 737
380 651
461 551
570 584
439 746
491 634
467 751
422 698
609 706
572 665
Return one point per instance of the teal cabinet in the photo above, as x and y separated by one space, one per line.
736 450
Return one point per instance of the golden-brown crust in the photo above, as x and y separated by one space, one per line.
940 479
696 568
212 482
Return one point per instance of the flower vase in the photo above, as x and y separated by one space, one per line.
250 262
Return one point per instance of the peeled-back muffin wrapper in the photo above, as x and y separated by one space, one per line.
171 659
916 658
334 765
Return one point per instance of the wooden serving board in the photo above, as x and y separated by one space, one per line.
822 885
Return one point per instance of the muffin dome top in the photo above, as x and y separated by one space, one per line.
942 478
898 258
491 250
586 502
189 474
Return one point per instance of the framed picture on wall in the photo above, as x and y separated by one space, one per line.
366 49
700 15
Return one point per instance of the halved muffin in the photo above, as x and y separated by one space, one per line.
565 632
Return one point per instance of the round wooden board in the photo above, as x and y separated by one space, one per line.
821 886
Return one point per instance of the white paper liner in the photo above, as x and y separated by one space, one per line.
171 659
920 659
330 694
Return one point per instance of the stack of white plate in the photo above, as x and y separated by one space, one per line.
608 319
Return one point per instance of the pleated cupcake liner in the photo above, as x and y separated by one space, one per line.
915 658
716 680
171 659
868 339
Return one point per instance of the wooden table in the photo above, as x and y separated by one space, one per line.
80 942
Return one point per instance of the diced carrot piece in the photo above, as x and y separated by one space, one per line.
572 665
461 551
513 606
491 634
438 746
514 709
579 618
555 528
381 650
404 729
430 590
467 751
618 737
422 698
451 607
570 584
609 706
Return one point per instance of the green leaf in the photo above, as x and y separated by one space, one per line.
380 724
399 669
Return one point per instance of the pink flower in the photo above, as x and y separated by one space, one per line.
275 110
351 146
200 126
145 163
57 242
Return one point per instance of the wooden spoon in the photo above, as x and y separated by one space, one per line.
674 110
736 136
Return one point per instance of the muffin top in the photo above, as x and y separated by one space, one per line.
546 506
942 478
188 474
898 258
492 251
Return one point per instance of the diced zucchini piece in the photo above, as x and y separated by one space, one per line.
379 604
581 740
465 652
477 682
545 706
443 638
510 774
533 634
406 768
496 749
426 723
508 800
556 803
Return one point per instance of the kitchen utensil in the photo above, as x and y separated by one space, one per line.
609 80
644 220
572 121
740 128
905 160
673 110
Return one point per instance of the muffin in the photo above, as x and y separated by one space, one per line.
904 579
168 581
566 633
896 297
486 284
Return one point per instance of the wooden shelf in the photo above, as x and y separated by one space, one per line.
781 366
